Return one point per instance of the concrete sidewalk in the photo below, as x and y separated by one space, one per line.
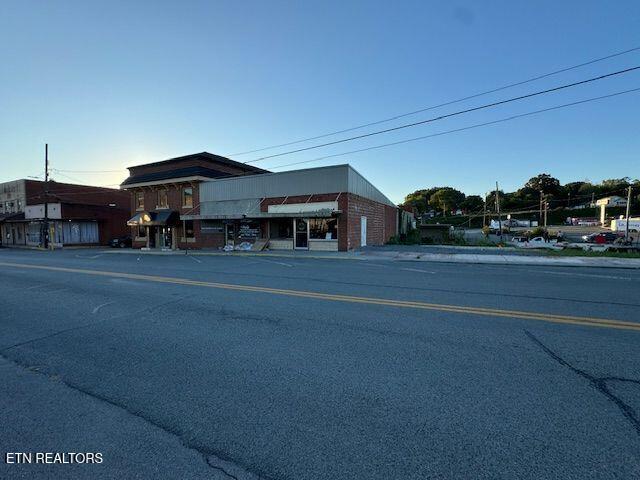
599 262
407 256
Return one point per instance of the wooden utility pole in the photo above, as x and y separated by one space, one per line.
626 230
498 210
540 215
484 211
45 229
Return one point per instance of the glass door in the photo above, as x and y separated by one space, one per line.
301 227
230 234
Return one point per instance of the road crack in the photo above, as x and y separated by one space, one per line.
207 454
599 383
94 322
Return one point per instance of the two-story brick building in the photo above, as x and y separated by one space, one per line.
205 200
162 192
77 214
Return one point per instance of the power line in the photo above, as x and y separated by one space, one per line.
91 171
451 102
477 125
448 115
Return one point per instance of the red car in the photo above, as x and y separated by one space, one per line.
601 238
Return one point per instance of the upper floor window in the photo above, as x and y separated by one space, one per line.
163 202
139 200
187 197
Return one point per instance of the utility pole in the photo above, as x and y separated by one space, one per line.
45 229
540 215
484 212
546 207
498 210
626 232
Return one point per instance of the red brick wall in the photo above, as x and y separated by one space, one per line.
323 197
381 221
174 199
78 194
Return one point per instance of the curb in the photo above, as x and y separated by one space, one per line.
421 257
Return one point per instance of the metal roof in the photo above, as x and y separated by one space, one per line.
331 179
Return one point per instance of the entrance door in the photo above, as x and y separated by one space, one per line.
363 231
151 236
166 237
301 227
230 234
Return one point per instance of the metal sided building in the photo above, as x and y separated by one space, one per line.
327 208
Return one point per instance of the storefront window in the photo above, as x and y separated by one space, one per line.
139 200
162 199
323 228
249 230
187 197
281 228
211 226
188 228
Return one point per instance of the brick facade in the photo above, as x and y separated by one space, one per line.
174 188
382 221
108 207
381 218
174 202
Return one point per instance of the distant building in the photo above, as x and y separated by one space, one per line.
78 214
612 201
608 202
205 200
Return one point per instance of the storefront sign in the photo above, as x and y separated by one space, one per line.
249 230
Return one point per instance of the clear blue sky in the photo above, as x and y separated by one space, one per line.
117 83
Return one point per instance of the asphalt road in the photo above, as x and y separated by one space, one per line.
267 367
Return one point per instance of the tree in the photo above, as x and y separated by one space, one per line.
572 192
613 186
545 183
418 201
491 200
472 204
446 198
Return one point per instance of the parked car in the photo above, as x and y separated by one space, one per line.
601 238
536 242
121 242
518 241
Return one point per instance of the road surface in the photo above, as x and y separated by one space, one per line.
307 368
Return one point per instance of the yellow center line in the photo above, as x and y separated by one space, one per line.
493 312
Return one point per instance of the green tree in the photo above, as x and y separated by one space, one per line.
418 201
613 186
446 199
472 204
545 183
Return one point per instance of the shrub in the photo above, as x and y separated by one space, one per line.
536 232
412 237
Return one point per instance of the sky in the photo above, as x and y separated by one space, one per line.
112 84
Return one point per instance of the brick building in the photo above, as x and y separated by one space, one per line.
229 203
161 193
78 214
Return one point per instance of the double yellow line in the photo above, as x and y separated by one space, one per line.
490 312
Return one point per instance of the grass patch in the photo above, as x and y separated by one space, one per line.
574 252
